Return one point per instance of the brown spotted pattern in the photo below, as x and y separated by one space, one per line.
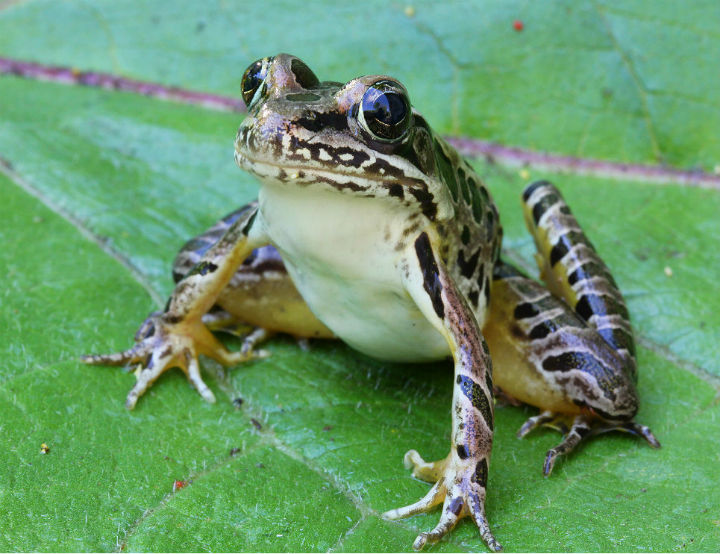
304 133
460 480
264 263
306 144
581 277
586 356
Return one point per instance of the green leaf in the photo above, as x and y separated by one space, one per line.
100 188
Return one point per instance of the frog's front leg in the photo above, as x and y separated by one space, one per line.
460 478
176 336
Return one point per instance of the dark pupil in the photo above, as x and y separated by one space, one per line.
252 79
387 108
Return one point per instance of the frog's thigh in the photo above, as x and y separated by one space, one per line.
261 293
522 315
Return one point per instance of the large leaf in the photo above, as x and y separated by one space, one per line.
102 187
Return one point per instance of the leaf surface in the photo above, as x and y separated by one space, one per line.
100 188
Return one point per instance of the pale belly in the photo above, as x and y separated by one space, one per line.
337 253
382 322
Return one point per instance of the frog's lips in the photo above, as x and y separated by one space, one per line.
307 174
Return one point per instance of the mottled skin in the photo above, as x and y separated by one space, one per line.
370 228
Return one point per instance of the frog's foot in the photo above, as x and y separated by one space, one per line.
162 344
224 322
582 427
459 486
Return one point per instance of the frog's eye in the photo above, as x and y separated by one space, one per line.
385 111
253 78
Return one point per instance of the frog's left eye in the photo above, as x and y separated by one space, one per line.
385 111
253 78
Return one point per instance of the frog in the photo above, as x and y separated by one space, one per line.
371 229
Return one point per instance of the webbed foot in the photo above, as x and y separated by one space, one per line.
161 344
459 486
581 428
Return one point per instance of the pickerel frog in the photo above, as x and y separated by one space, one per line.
370 228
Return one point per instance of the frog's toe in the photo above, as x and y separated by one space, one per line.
452 509
582 428
456 506
193 374
426 471
534 422
434 497
477 512
126 357
257 337
579 430
459 487
639 430
146 376
158 362
163 345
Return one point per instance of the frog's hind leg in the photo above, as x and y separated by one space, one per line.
578 365
547 356
260 300
573 270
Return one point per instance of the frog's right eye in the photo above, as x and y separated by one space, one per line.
385 111
253 79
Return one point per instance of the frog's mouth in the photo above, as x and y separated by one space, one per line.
335 176
269 172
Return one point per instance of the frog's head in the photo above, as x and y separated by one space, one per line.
361 137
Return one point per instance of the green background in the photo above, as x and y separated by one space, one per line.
100 188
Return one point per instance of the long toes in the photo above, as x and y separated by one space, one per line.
549 464
412 459
453 509
131 355
432 498
193 373
222 355
448 520
253 339
643 431
534 422
146 376
528 426
476 508
427 471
